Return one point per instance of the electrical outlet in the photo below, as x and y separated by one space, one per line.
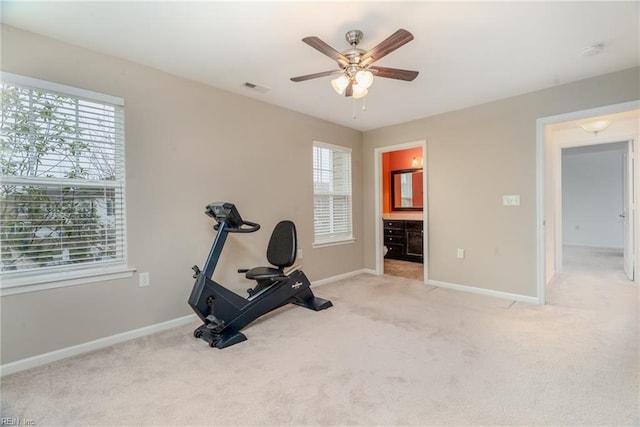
299 253
144 279
460 253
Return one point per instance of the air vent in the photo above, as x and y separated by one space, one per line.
594 49
253 86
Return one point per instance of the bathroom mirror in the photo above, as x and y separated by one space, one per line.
406 190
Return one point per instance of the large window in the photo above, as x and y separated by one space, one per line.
331 194
62 186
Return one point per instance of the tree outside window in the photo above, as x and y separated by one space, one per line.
61 180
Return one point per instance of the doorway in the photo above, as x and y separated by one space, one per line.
564 131
595 204
403 219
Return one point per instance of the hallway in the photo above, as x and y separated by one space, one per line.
594 279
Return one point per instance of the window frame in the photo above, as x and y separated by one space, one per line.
29 280
342 238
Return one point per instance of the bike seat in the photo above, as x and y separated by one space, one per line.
265 273
281 253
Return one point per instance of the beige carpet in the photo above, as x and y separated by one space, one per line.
391 351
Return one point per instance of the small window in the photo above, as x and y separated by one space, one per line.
62 182
332 214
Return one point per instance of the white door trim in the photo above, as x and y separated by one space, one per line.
377 220
557 186
629 210
541 152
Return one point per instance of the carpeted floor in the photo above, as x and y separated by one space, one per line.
392 351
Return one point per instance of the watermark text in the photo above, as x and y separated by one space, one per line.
11 421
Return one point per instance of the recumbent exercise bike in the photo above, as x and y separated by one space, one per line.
224 312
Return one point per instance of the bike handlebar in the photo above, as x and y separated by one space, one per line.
250 227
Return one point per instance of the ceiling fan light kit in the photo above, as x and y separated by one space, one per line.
364 78
360 82
359 91
340 84
355 73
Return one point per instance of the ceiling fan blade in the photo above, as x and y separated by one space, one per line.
322 47
316 75
393 73
349 90
391 43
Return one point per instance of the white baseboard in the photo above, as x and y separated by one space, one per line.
53 356
341 276
591 246
463 288
483 291
42 359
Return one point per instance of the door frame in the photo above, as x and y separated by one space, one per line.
628 210
542 154
557 188
378 202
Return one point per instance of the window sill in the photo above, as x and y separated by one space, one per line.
40 282
334 243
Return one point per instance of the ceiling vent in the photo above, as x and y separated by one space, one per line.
256 87
594 49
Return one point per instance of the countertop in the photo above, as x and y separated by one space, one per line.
415 216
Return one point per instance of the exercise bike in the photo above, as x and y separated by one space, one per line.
224 312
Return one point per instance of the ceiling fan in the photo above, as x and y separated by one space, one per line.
355 69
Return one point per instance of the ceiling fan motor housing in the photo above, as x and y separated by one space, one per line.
353 37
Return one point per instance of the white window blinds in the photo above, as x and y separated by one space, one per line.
332 221
62 178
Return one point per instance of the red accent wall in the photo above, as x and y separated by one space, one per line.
395 160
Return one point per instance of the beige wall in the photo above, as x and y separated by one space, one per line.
474 157
187 144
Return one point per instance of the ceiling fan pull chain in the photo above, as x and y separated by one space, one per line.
364 105
353 104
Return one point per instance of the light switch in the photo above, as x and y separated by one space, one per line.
511 200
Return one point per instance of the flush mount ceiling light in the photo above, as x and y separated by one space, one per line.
594 126
355 73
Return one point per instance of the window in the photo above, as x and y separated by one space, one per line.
62 186
331 194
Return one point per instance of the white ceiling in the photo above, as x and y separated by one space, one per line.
467 53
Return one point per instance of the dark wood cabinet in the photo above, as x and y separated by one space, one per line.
394 238
404 239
